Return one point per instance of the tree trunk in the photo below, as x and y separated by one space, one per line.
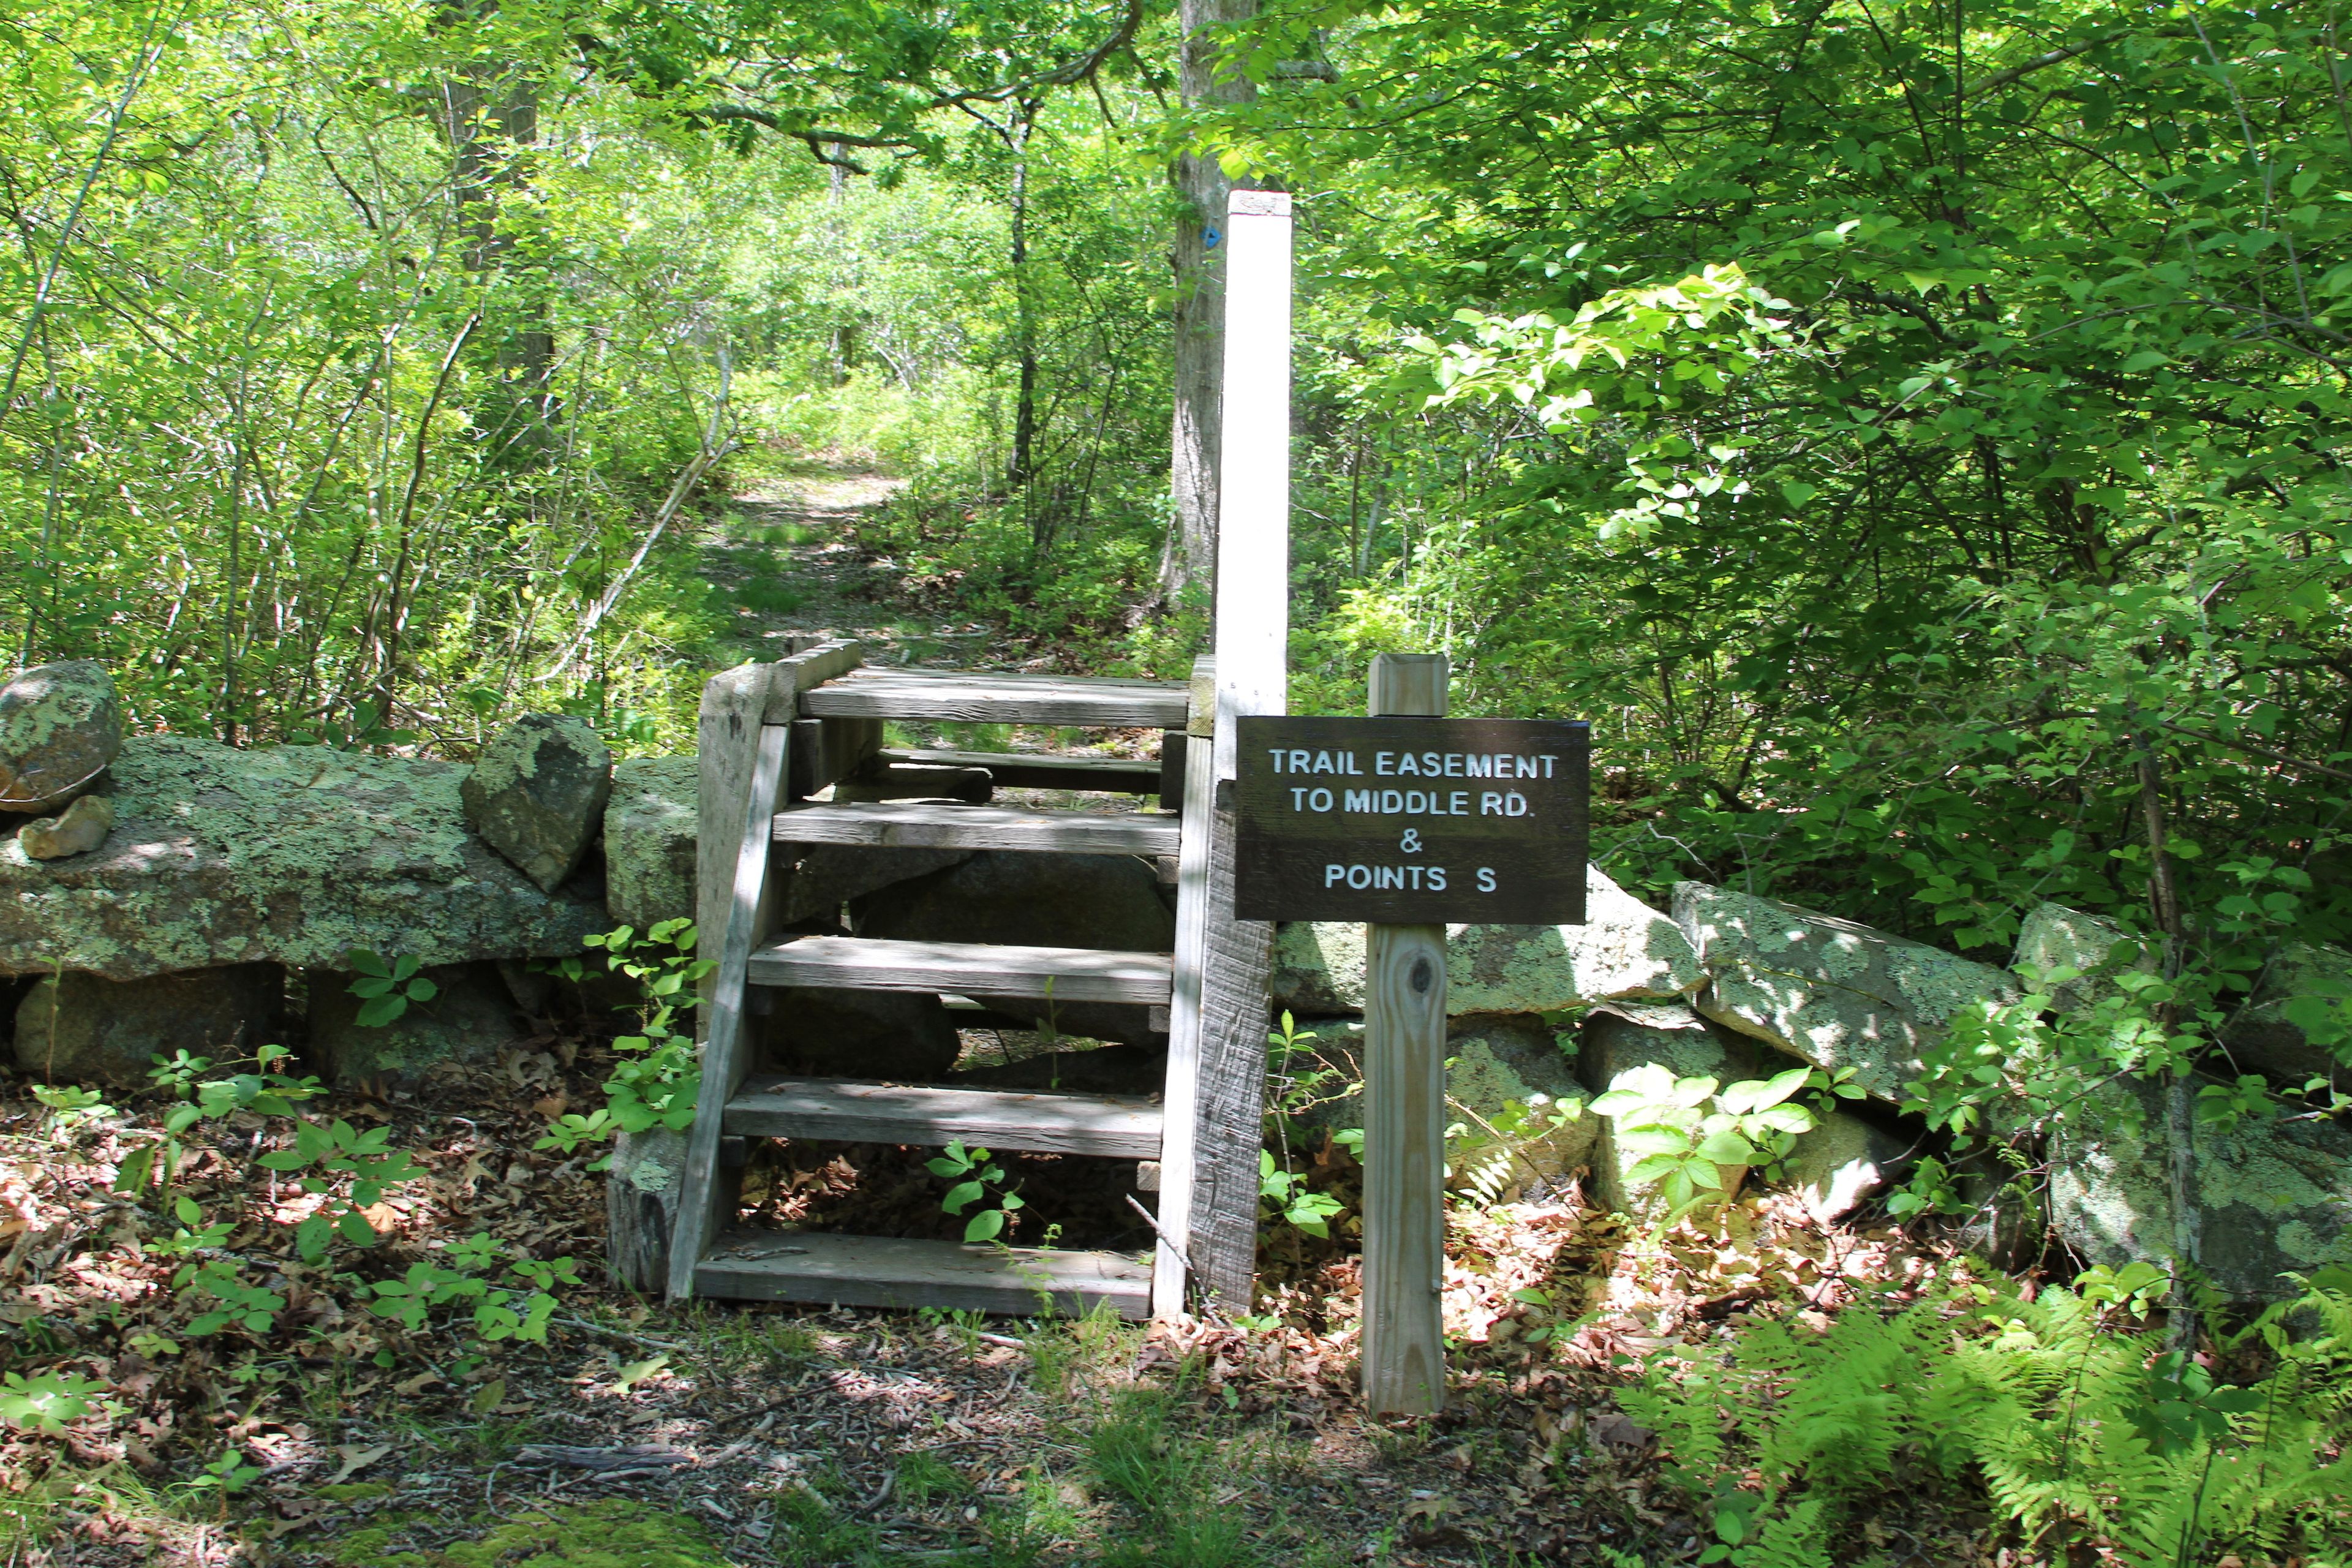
1192 552
488 110
1022 468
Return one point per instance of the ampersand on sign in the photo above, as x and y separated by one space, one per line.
1410 844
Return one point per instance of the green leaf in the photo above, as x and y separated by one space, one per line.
986 1225
382 1011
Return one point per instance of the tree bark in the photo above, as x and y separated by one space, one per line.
488 110
1200 321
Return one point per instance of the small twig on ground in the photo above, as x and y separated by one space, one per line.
644 1340
1007 1340
1174 1245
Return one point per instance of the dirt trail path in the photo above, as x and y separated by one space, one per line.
785 561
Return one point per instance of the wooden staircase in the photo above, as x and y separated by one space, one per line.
772 736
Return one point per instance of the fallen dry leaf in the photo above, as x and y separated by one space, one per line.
355 1459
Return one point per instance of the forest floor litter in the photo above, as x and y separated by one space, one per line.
728 1434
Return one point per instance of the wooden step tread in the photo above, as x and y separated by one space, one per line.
933 824
969 968
1115 1127
978 697
889 1271
1040 770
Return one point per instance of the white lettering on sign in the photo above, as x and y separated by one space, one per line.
1293 761
1444 764
1420 878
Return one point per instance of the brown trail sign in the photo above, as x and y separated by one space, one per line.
1412 820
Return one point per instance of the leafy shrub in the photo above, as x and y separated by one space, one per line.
1699 1156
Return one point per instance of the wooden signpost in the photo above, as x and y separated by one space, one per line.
1408 820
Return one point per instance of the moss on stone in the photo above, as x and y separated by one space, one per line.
611 1533
290 854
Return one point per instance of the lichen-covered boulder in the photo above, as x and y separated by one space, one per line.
2273 1196
75 1027
1836 993
1507 1081
60 725
649 838
77 830
291 855
470 1019
537 794
1624 948
2297 1026
2054 938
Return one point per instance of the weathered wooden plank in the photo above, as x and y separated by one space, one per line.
1179 1142
1115 1127
874 674
889 1271
970 969
997 699
1035 770
1237 969
922 825
727 744
810 662
708 1204
1404 1117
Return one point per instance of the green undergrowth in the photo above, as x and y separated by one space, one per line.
612 1533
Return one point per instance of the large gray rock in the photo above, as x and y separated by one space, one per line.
649 837
882 1034
469 1021
1506 1078
1624 948
537 794
1836 993
1036 900
292 855
2054 937
75 1027
1840 1164
2273 1196
60 725
2297 1026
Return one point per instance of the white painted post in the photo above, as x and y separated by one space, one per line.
1217 1016
1253 586
1404 1117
